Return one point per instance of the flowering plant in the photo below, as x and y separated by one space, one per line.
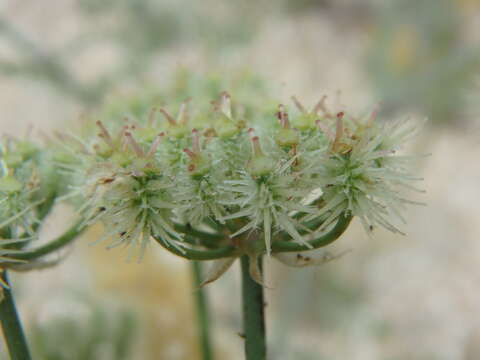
216 184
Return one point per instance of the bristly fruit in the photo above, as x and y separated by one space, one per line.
248 183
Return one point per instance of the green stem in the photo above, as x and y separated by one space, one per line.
54 245
214 224
324 240
193 254
202 235
278 246
253 314
197 237
201 304
11 325
45 208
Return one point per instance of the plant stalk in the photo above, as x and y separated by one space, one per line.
11 325
202 310
253 314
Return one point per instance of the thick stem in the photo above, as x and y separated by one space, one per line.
11 326
253 314
203 316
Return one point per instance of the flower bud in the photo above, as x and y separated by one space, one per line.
178 128
225 125
285 136
307 119
199 165
259 164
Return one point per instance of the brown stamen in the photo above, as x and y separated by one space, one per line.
105 135
256 148
169 118
283 117
321 106
190 153
155 144
195 141
326 130
299 105
338 130
134 145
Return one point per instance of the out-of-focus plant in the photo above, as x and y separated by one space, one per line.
347 12
249 92
136 31
98 334
420 58
27 192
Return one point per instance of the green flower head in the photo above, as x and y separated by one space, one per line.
226 187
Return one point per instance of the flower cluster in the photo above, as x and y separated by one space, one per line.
250 184
18 183
24 195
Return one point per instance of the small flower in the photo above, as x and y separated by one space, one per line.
286 136
225 125
197 193
267 193
132 199
19 185
361 173
306 120
179 127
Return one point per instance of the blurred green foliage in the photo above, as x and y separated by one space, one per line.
97 334
320 297
138 31
199 89
419 58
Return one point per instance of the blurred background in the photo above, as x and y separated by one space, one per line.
391 298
